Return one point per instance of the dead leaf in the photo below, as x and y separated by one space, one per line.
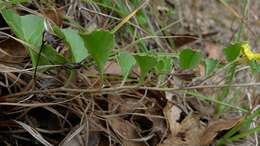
203 108
172 114
186 75
126 131
201 70
112 68
213 50
192 130
12 51
6 123
184 39
217 126
158 126
55 15
124 105
184 133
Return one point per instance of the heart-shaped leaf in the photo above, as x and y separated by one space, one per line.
52 56
126 62
30 29
189 58
232 51
146 63
100 44
210 65
76 44
164 65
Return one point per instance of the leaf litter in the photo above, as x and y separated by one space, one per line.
129 117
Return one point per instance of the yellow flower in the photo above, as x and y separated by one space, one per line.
246 51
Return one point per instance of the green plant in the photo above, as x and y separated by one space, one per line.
100 47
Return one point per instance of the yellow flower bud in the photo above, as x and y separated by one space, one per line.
246 51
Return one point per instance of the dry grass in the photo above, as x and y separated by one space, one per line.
55 109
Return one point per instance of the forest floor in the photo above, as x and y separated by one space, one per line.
44 105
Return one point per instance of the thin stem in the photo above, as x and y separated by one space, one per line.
112 89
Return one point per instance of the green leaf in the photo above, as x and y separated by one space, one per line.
210 65
189 59
100 44
58 31
17 1
76 44
146 63
164 64
29 28
255 67
50 54
126 62
232 51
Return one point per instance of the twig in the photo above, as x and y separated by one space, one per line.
112 89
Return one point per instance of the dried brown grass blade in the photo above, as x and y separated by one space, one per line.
34 133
